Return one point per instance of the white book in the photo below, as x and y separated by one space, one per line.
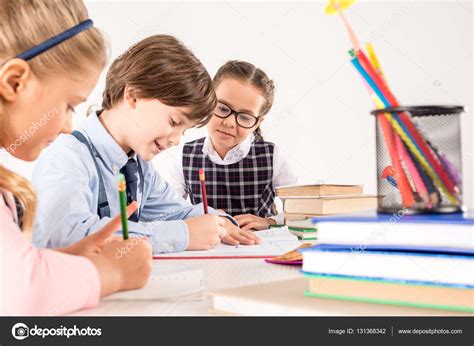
424 267
402 233
286 298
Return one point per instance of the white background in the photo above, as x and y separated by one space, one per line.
320 117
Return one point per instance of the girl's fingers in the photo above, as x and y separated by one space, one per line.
243 219
243 223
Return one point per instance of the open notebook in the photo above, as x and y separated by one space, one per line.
275 241
168 282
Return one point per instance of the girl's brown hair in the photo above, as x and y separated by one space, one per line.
248 73
23 25
161 67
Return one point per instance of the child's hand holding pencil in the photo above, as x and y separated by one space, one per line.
117 273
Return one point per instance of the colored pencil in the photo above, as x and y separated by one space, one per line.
202 179
123 204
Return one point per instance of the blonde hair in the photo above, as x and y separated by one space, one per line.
23 25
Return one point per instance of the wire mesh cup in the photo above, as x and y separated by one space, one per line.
419 159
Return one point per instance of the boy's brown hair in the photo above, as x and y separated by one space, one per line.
161 67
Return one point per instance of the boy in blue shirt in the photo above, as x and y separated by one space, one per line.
154 92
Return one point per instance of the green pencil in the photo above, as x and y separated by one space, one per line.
123 204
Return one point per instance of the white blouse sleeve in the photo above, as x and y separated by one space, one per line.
282 172
175 174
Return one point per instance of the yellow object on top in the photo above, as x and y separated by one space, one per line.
373 59
331 8
201 175
121 183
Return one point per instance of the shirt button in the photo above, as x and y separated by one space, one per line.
170 247
115 168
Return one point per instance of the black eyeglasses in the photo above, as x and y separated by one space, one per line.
244 120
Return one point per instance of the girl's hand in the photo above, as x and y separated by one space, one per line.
123 264
249 221
94 243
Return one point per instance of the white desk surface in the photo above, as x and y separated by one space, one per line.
220 274
230 273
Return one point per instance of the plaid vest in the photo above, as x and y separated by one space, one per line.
244 187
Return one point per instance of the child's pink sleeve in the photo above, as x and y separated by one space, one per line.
41 282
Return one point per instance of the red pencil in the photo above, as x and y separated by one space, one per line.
203 190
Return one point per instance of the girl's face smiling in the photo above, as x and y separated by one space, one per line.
242 97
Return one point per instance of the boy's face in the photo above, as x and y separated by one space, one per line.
37 110
155 127
225 133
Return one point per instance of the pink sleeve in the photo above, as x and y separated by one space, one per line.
41 282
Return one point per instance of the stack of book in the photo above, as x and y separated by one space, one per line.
411 260
301 202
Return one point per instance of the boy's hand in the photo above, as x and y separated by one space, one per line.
238 236
94 243
205 232
249 221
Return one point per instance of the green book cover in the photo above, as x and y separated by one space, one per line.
362 299
390 302
305 230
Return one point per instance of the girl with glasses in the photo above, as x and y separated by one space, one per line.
241 169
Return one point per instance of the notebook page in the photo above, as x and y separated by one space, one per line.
275 241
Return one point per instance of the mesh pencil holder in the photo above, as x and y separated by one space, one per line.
419 159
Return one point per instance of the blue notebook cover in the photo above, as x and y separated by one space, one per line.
394 249
466 218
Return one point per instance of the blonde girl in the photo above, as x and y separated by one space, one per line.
50 59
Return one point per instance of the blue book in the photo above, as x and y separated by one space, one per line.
466 218
436 265
412 250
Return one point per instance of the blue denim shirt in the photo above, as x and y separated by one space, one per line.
67 186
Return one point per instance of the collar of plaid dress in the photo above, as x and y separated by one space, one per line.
54 41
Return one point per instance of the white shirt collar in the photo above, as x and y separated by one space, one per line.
234 155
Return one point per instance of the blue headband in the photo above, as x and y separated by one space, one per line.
54 41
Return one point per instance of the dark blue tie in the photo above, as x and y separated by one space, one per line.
130 171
